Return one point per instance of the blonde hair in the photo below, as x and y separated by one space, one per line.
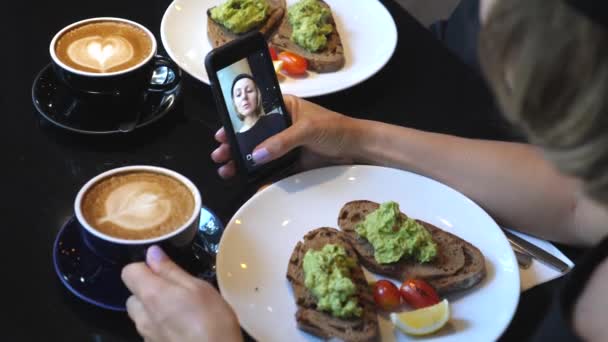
548 66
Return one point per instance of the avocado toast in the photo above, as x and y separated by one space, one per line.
219 35
458 264
323 324
327 59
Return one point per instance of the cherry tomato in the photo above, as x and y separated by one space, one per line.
418 293
273 53
293 64
386 295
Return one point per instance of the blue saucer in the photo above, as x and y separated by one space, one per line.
97 280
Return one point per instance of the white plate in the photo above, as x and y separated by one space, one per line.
258 241
368 33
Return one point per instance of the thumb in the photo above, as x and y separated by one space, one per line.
164 267
282 143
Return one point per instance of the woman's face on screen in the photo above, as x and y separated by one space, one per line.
245 96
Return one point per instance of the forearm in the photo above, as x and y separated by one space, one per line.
511 181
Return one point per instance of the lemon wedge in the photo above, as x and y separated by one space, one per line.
423 321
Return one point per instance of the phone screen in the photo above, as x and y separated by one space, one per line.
253 101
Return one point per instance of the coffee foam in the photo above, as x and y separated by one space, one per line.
103 46
137 205
100 53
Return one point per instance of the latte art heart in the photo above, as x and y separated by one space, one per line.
100 53
137 205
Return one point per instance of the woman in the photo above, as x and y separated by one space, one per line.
547 61
247 101
257 126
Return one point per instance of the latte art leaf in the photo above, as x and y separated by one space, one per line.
136 206
100 53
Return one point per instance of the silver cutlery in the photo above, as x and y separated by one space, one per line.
523 259
537 252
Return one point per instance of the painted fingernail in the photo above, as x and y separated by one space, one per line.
155 254
222 171
260 156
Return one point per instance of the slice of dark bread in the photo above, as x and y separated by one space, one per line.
330 58
473 272
458 265
219 35
320 323
450 258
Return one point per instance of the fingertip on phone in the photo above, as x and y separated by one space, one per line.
214 154
219 134
226 171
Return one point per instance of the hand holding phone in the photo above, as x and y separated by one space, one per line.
326 138
249 101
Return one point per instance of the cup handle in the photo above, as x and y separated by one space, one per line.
166 74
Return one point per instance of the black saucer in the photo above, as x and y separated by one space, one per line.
97 280
57 103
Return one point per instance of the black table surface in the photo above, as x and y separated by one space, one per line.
423 86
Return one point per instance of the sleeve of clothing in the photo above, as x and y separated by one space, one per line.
558 324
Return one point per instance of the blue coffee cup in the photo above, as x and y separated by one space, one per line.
177 243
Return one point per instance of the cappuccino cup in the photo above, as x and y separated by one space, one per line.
125 210
110 58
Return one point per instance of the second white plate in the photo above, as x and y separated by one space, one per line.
257 243
368 33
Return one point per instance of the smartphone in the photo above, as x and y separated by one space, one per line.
249 102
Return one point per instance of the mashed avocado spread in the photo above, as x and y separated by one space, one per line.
309 21
394 237
327 276
240 16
